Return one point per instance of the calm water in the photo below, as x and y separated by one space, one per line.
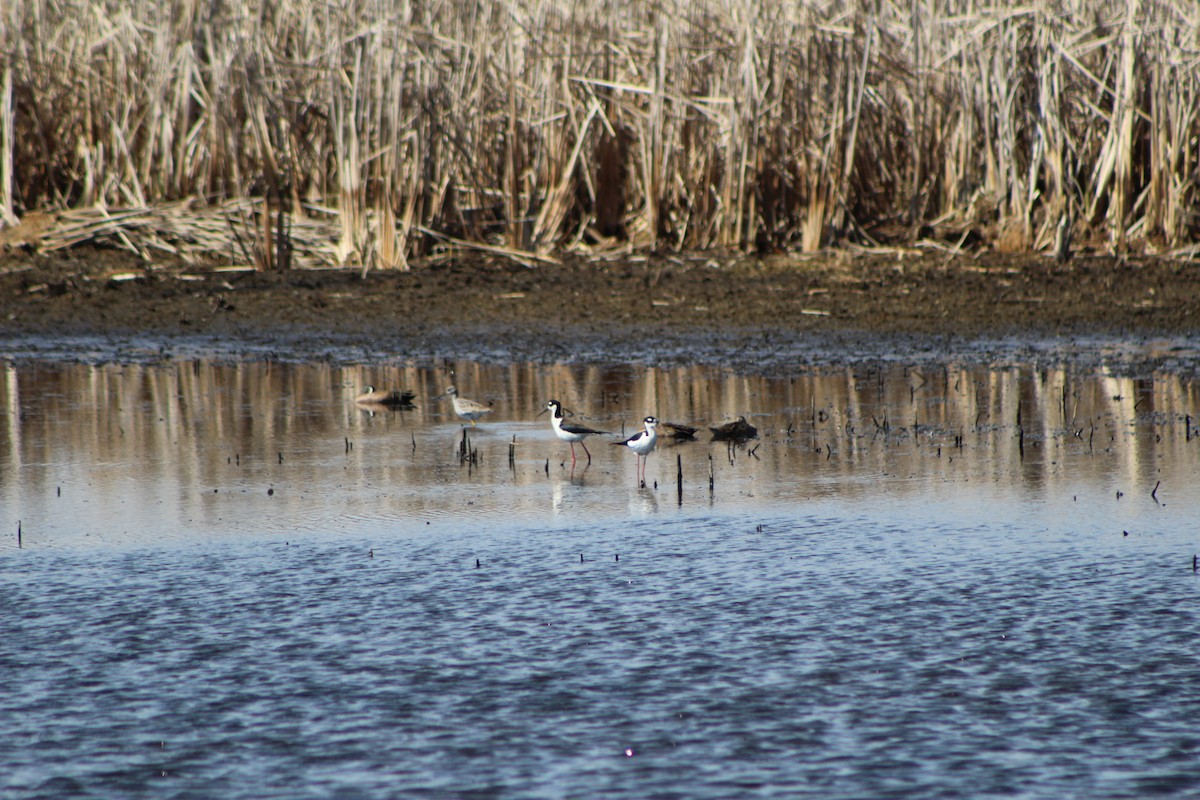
933 581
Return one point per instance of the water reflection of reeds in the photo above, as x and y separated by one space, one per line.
168 443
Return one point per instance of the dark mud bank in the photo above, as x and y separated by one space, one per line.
750 315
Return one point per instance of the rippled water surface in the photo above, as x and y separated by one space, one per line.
230 580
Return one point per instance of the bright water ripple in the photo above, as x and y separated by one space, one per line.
688 656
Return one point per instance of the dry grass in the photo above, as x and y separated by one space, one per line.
389 131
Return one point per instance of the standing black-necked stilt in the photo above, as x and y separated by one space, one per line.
567 431
642 443
467 409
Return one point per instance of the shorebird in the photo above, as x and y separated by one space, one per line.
467 409
385 397
567 431
642 443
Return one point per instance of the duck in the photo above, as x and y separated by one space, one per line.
676 431
737 431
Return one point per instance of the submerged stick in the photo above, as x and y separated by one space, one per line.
679 477
1021 441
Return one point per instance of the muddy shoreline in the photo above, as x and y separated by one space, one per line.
747 314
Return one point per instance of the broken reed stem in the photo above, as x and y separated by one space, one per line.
375 137
466 453
679 477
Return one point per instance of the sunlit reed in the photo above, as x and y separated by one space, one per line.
375 132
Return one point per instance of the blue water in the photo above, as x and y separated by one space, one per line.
692 656
880 619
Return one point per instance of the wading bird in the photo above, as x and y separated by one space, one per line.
642 443
385 397
567 431
467 409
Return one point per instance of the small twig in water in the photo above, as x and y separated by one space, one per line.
679 477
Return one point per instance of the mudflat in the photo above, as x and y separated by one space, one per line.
700 306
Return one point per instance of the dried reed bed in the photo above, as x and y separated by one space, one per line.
373 132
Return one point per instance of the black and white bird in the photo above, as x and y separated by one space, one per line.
385 397
567 431
642 443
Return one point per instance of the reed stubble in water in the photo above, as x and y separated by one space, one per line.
522 131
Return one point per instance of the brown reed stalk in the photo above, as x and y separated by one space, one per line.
609 126
7 216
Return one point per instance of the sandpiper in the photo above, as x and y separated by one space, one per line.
568 432
467 409
642 443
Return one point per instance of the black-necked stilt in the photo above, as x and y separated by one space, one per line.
642 443
467 409
569 432
737 431
385 397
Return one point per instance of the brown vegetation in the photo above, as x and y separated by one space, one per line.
374 132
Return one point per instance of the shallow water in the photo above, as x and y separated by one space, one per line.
919 581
